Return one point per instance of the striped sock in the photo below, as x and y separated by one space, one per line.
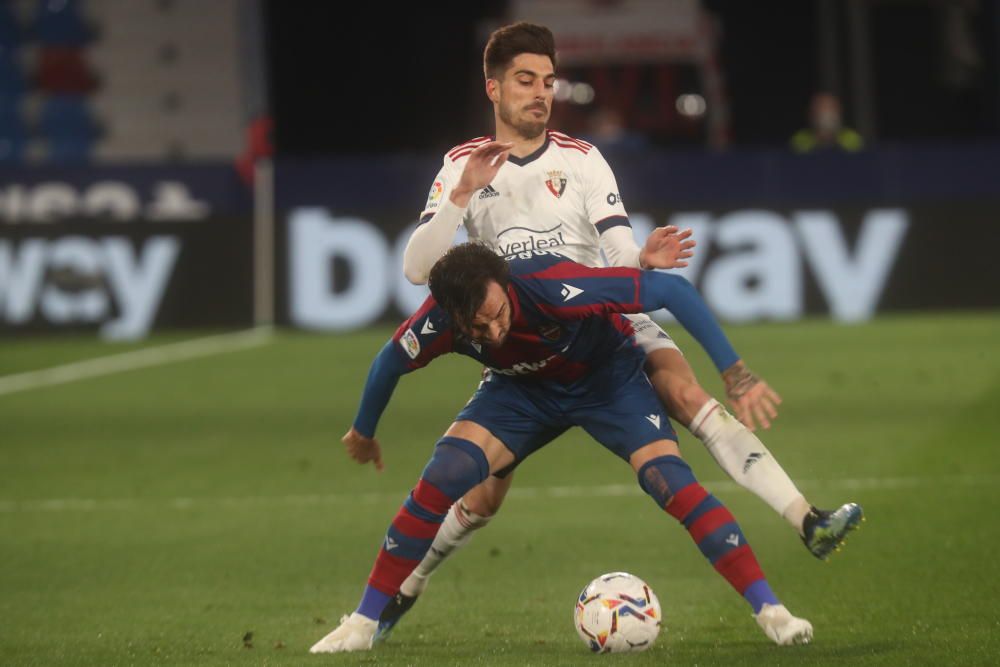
457 466
712 527
720 539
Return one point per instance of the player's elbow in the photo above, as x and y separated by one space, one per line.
414 273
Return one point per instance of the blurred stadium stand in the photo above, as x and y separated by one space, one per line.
171 79
123 80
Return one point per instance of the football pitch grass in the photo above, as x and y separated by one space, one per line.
204 513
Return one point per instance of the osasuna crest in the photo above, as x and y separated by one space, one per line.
556 183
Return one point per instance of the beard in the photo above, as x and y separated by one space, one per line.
526 127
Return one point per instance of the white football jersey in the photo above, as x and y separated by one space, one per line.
561 197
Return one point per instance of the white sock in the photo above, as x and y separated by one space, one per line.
455 532
745 458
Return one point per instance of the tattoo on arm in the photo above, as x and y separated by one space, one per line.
739 381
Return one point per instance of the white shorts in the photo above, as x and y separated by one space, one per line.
650 336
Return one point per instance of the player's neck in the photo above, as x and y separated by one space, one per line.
523 146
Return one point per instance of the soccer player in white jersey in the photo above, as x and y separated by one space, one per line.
531 188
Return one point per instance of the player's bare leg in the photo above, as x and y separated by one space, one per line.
742 455
668 480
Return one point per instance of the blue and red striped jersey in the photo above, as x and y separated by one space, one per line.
554 333
566 324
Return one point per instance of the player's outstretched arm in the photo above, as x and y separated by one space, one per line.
751 398
753 401
383 376
432 239
602 291
664 290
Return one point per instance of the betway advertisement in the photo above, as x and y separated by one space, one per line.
123 251
751 264
780 236
119 252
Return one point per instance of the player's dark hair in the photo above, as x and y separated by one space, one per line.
458 281
510 41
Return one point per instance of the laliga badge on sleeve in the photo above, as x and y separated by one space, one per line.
434 196
410 344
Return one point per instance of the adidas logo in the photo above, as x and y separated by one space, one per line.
654 420
751 459
489 191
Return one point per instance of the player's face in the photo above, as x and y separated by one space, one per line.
491 324
524 95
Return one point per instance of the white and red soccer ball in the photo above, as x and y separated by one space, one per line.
617 613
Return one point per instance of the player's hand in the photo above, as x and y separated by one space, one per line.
480 170
752 400
666 248
363 449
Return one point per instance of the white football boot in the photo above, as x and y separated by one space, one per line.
355 633
783 628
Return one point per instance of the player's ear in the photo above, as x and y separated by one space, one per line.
493 90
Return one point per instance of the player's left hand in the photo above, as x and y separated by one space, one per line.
362 448
752 400
666 248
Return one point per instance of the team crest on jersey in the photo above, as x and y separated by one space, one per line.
556 183
551 331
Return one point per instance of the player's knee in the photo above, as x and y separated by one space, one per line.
456 466
480 504
676 384
472 517
664 477
486 499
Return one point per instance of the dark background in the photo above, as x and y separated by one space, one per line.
377 78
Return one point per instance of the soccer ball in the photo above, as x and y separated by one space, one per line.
617 613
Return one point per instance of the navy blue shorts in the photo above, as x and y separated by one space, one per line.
617 407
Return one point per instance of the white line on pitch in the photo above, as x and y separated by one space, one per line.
127 361
523 493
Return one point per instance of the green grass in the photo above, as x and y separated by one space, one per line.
159 516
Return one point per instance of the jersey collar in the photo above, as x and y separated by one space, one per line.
528 159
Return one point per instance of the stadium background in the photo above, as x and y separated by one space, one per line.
177 176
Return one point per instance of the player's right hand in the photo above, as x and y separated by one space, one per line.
667 248
480 170
362 448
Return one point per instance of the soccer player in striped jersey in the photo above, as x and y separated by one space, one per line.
559 355
530 188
